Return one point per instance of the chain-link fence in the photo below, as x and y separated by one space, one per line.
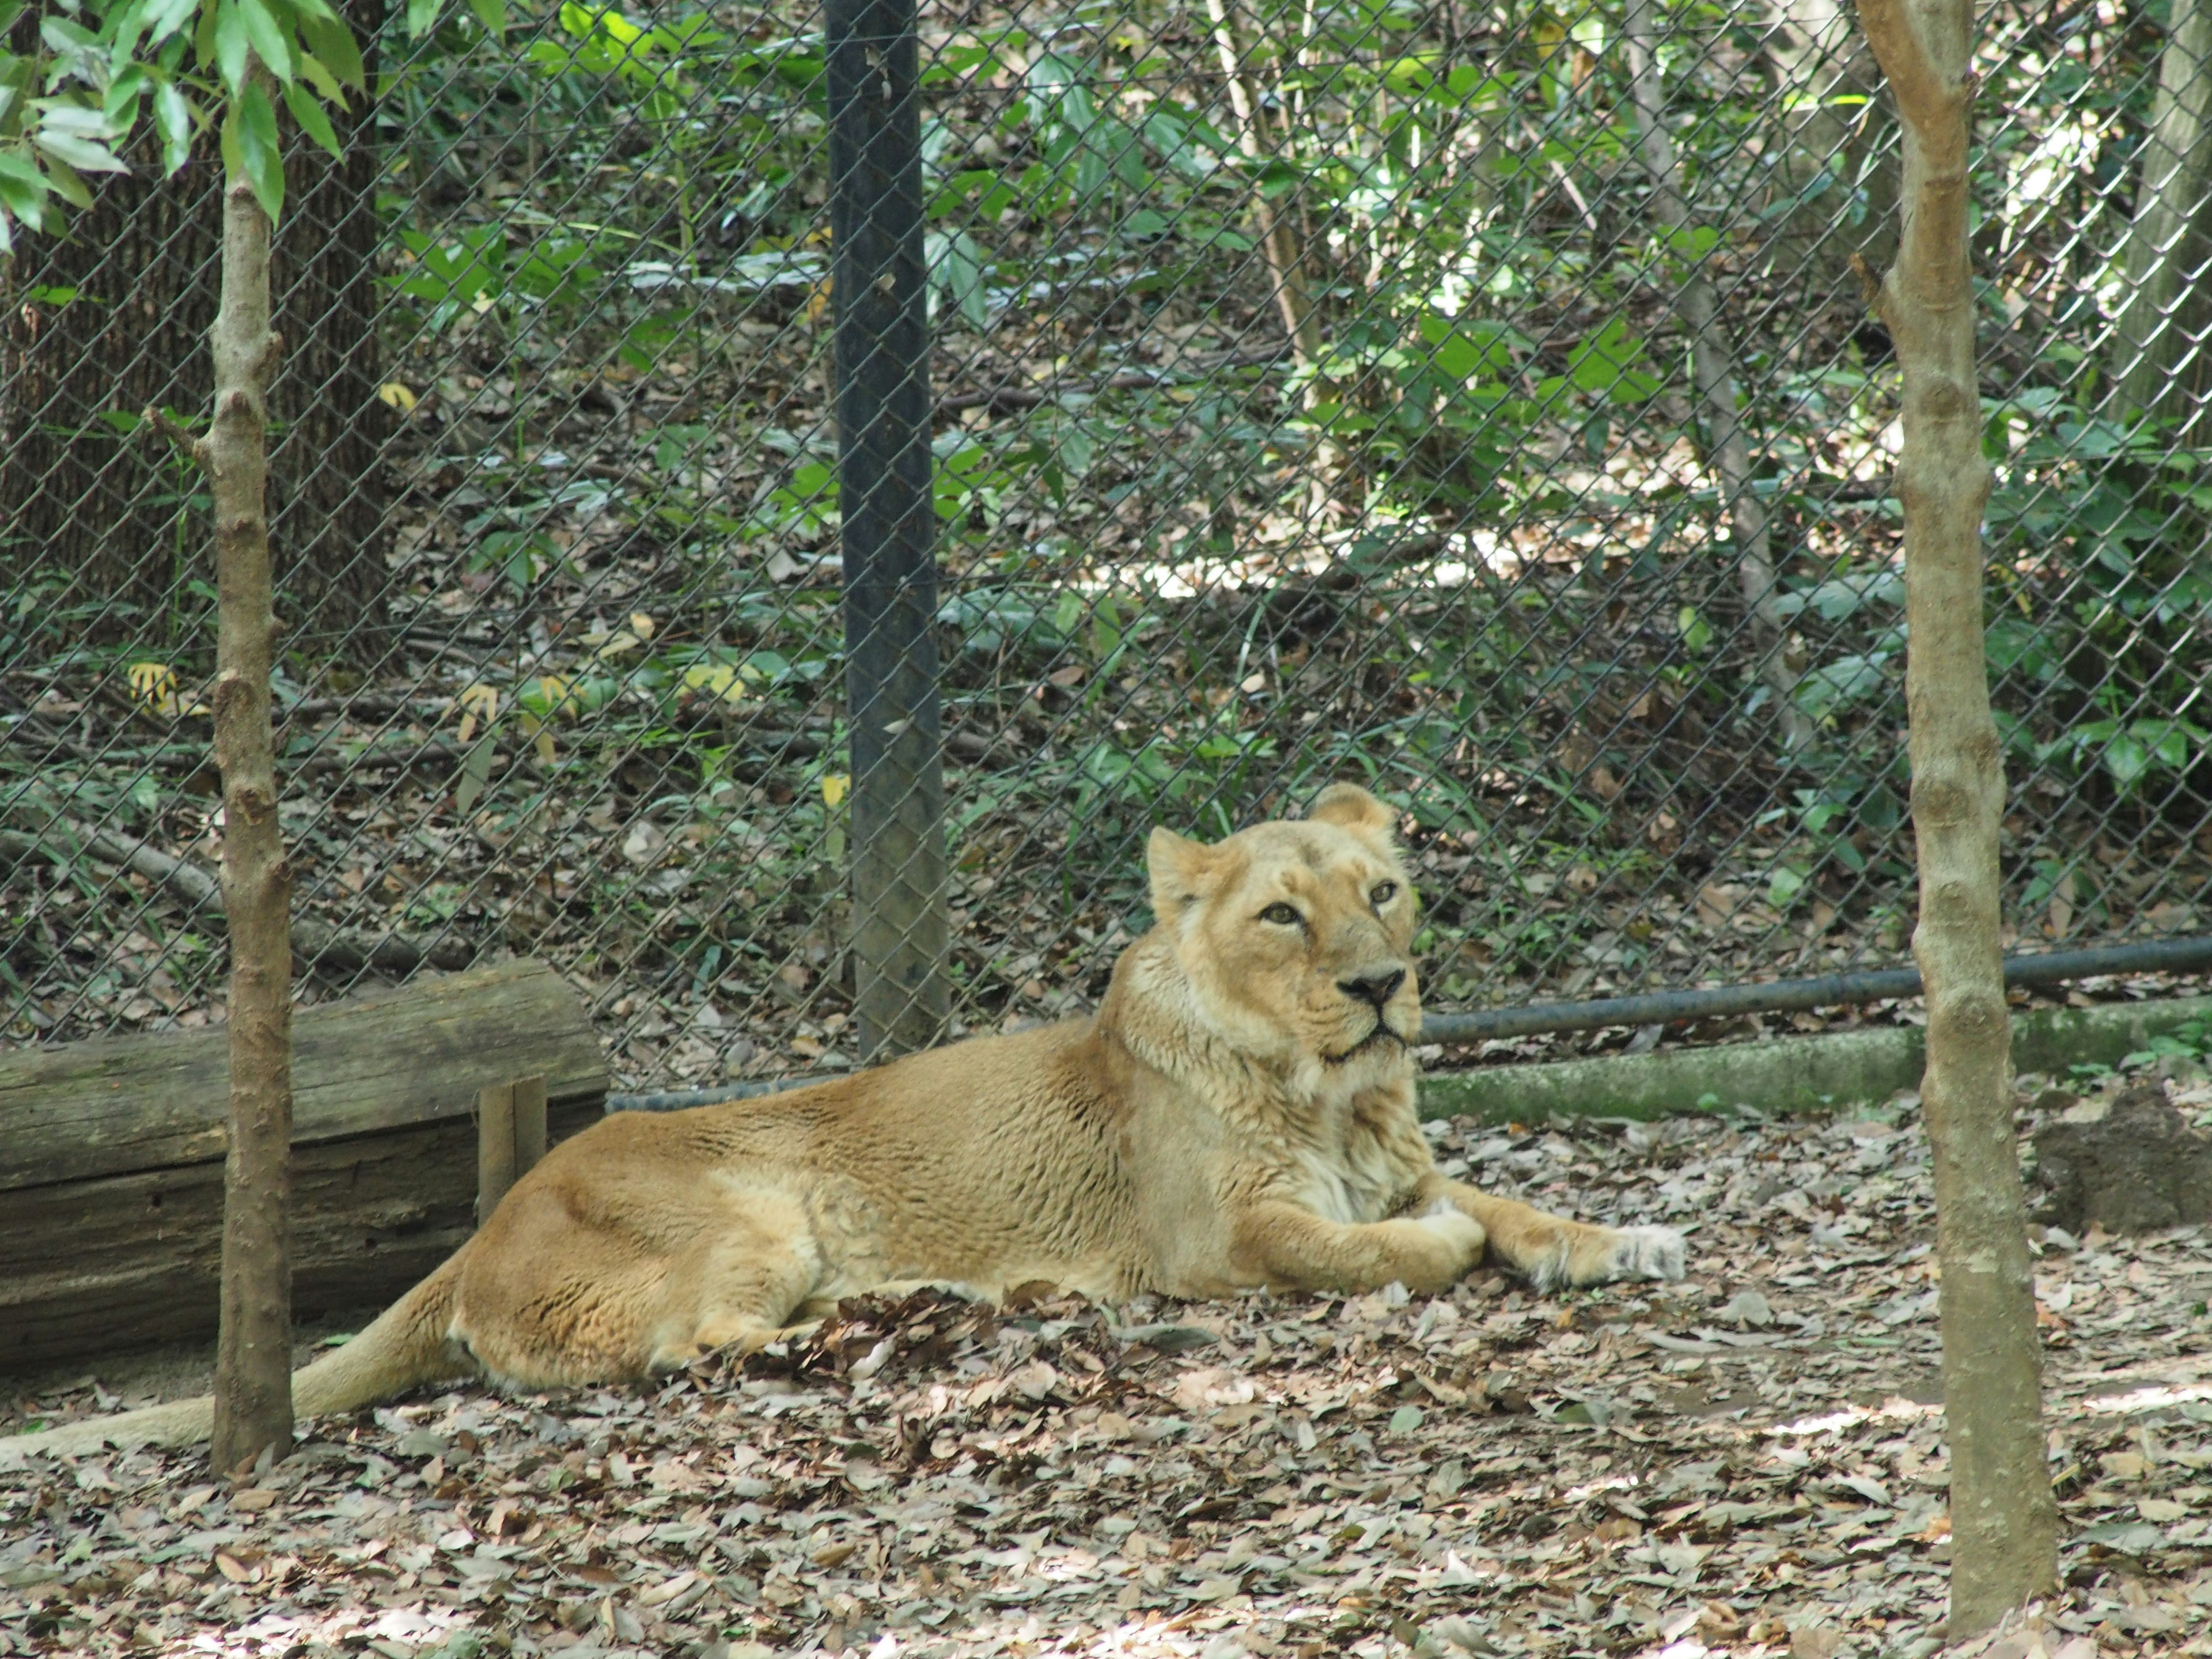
1479 403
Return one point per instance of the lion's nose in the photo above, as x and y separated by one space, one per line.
1377 988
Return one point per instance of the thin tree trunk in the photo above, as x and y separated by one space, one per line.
253 1356
1274 224
1728 453
2004 1520
2162 358
1278 241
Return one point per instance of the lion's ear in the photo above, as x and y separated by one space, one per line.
1181 870
1348 806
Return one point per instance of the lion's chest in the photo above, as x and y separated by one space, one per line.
1350 1183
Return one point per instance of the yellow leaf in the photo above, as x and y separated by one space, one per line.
719 677
155 682
396 394
477 702
641 625
546 744
835 785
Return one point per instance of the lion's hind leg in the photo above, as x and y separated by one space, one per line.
761 1267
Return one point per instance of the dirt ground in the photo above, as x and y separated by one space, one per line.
1746 1463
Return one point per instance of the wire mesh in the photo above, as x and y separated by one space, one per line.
1480 403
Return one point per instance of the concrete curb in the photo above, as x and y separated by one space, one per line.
1789 1074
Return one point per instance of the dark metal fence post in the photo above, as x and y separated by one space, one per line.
878 285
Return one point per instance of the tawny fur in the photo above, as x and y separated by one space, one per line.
1240 1112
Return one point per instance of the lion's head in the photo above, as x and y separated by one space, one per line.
1296 939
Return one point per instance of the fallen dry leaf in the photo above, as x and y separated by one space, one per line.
1633 1471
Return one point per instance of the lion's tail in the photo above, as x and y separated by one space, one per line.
409 1342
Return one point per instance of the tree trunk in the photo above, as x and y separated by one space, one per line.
253 1350
1271 221
2162 338
89 336
1698 307
2004 1520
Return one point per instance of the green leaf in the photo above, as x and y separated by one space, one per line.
492 14
270 40
120 108
475 775
207 37
83 153
422 17
123 29
62 180
309 113
22 189
260 155
1693 241
233 47
2127 759
331 42
172 119
1606 366
165 17
312 71
1468 348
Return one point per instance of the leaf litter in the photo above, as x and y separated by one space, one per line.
1749 1462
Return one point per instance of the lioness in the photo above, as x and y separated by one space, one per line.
1239 1113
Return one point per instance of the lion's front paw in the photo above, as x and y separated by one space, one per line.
1460 1233
1647 1253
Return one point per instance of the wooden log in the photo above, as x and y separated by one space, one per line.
410 1055
111 1170
90 1267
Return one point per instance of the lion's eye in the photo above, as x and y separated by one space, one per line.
1283 915
1382 893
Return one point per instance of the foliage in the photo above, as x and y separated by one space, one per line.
1472 550
193 64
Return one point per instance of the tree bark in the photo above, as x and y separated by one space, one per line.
253 1350
2005 1520
1729 455
2162 338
